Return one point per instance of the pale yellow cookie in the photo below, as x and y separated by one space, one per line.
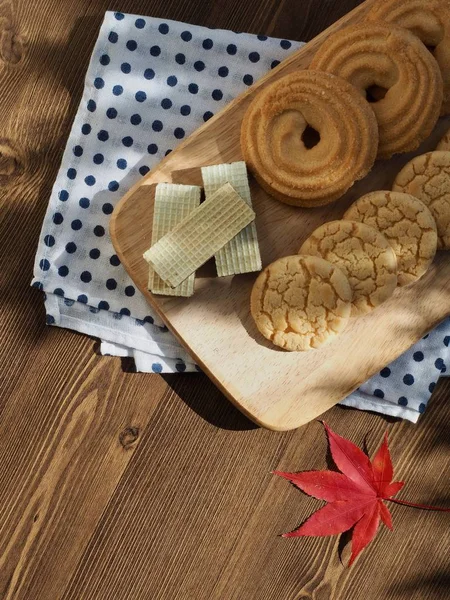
408 226
444 144
427 177
363 254
301 302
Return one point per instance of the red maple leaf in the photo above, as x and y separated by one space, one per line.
355 496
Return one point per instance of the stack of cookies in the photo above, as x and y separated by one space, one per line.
347 268
373 90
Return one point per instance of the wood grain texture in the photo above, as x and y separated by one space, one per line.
121 485
215 324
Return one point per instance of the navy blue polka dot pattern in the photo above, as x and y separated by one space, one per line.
49 319
103 135
44 264
403 401
86 276
431 387
76 224
111 113
408 379
99 231
157 368
150 84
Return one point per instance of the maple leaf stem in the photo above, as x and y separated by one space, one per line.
414 505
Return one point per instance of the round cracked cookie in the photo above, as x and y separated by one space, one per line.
444 144
308 137
427 177
408 226
301 302
395 72
429 20
364 255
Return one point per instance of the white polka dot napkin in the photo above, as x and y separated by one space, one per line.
151 83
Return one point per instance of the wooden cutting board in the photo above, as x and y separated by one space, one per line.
276 389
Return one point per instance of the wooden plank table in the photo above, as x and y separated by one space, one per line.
122 485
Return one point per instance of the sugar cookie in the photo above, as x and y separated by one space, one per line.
408 226
301 302
363 254
428 178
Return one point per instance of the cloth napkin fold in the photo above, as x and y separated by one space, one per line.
150 83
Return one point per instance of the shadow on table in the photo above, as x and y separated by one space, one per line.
202 396
431 585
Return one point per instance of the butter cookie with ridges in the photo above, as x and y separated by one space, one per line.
395 72
308 137
429 20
